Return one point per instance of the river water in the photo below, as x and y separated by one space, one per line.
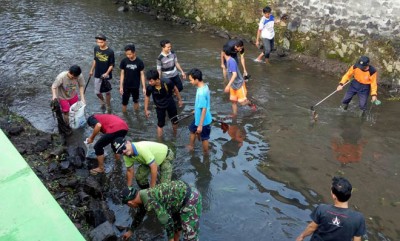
261 189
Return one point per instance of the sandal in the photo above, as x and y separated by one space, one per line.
96 171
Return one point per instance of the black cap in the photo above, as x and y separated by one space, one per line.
101 36
362 62
128 194
119 145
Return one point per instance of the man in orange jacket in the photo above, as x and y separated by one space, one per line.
363 83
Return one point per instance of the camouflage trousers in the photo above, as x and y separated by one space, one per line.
190 216
164 171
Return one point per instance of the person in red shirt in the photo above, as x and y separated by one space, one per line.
112 127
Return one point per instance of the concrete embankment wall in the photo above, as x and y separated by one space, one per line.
327 29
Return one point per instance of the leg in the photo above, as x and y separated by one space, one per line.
350 93
363 95
108 99
234 108
97 84
192 128
172 111
190 216
125 99
160 121
142 176
178 82
267 49
135 97
165 171
100 160
205 136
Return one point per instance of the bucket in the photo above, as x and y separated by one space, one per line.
77 115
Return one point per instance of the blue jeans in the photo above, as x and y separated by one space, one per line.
268 46
362 90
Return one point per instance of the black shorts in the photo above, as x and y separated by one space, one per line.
128 92
172 112
177 81
107 139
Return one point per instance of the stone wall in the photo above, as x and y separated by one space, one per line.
327 29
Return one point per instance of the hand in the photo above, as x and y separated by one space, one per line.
180 103
104 76
374 98
147 113
299 238
54 97
339 88
144 91
90 73
257 43
223 66
127 235
121 90
89 140
244 73
227 88
83 101
199 129
183 75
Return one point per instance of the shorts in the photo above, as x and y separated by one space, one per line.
107 139
172 112
97 84
205 133
66 104
239 94
178 82
128 92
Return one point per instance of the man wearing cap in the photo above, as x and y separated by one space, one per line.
237 47
337 221
112 127
363 83
103 64
64 89
152 157
176 205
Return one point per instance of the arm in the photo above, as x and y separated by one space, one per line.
242 60
130 173
374 86
96 131
146 106
345 78
121 81
54 92
202 117
81 91
234 75
110 68
92 68
154 170
222 60
258 37
142 79
178 66
178 95
308 231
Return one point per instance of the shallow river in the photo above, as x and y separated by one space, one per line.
262 189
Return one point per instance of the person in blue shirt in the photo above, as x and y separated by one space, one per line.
200 127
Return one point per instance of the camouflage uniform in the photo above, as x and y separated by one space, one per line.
146 152
177 207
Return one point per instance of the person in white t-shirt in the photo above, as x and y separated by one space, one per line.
267 33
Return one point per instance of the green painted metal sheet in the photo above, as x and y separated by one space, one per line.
27 210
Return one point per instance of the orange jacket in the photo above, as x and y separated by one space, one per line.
362 76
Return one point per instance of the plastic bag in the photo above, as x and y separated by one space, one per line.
90 152
77 115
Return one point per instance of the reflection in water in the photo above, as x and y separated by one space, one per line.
203 178
349 147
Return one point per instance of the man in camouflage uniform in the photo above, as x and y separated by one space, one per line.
176 205
151 156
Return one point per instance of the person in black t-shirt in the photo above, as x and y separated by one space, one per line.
336 222
132 73
162 91
236 47
102 66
